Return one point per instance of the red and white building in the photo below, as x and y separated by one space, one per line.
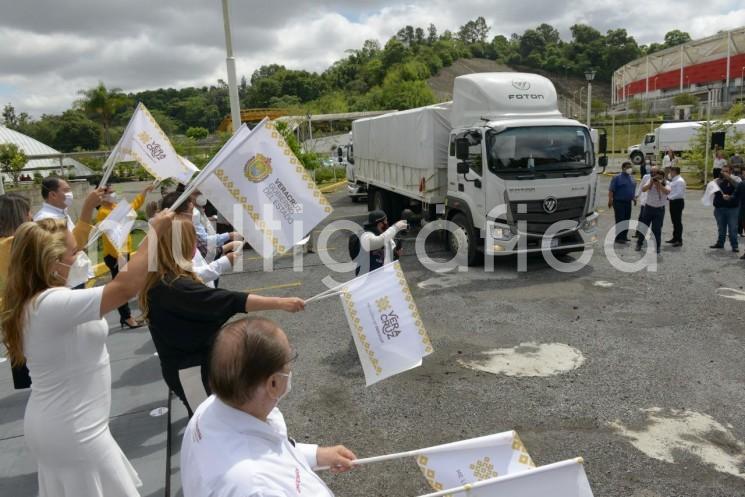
715 63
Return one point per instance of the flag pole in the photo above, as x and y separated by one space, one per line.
108 166
417 452
483 483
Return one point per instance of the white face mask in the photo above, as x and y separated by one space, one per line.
627 170
196 217
289 386
79 270
68 199
201 200
111 198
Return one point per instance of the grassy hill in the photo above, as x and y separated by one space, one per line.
441 83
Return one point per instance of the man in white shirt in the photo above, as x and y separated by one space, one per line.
677 204
58 197
236 444
657 191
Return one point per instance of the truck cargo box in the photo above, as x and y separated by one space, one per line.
405 152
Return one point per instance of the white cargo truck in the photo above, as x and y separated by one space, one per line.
669 136
499 161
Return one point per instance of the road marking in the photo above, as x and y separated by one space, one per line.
294 284
665 433
603 284
158 412
258 257
528 359
731 293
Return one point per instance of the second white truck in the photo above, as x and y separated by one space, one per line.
499 161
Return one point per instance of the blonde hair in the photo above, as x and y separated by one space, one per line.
175 251
36 248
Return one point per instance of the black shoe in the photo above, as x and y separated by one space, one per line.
677 244
735 250
638 248
124 324
717 246
672 240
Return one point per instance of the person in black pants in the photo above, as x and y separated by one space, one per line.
184 315
620 196
677 204
657 191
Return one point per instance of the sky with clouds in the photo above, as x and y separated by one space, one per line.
49 49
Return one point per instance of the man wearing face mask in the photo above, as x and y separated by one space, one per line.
377 245
237 441
657 191
58 198
210 243
677 204
620 195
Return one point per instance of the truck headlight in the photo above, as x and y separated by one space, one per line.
500 231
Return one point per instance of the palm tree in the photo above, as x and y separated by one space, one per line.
102 104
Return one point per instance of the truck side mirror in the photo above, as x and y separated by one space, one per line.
603 162
339 153
463 168
461 149
603 143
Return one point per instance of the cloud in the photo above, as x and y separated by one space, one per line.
50 49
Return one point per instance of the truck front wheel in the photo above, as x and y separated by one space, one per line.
637 158
465 235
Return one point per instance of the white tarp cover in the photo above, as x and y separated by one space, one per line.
416 138
493 96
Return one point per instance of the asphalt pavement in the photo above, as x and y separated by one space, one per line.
641 372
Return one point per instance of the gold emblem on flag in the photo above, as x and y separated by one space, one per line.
483 469
258 168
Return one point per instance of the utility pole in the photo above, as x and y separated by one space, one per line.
708 136
589 76
235 105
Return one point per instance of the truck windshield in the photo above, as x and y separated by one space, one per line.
539 149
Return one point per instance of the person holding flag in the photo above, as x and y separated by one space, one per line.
112 254
376 247
184 314
237 442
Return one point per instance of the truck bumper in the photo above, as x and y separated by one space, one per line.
586 236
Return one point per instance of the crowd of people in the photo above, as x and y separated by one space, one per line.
54 330
663 187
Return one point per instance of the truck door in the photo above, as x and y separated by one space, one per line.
470 186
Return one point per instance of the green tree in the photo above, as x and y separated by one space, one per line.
75 131
676 37
638 106
197 133
102 104
12 160
685 99
9 116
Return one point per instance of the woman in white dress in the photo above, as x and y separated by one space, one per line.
61 334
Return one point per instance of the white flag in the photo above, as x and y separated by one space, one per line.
562 479
143 141
118 224
711 188
387 329
468 461
277 201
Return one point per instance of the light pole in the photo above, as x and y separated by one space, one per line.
589 76
708 135
235 105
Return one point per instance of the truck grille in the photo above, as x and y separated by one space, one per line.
571 208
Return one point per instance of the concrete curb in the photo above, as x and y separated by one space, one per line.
333 187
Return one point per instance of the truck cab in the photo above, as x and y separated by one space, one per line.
639 152
511 181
